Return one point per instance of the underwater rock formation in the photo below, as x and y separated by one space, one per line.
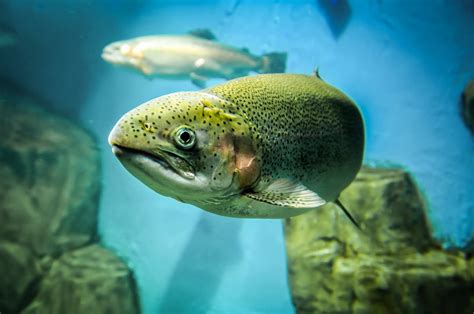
87 280
49 197
18 269
392 266
467 105
50 170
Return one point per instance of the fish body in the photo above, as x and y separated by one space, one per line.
189 57
265 146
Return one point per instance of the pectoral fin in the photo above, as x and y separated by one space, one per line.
198 80
287 193
146 68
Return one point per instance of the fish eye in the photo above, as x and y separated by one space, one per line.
125 49
185 138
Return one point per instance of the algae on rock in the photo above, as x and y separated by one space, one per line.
50 170
88 280
393 266
49 197
19 269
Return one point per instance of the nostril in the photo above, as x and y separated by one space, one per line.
147 126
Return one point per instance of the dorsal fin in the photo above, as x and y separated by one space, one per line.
316 73
203 33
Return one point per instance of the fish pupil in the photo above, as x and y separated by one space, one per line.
185 136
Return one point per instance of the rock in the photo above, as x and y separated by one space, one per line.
49 196
393 266
50 170
87 280
467 105
19 270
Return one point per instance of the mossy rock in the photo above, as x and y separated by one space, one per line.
19 272
392 266
50 177
88 280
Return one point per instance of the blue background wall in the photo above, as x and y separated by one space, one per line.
404 62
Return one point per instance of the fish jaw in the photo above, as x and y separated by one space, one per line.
123 54
156 173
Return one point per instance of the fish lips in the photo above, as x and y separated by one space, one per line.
148 162
113 57
112 54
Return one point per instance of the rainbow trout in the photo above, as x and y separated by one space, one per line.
196 56
266 146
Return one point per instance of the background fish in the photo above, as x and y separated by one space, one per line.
273 145
196 56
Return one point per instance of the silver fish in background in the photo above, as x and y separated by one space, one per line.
7 36
196 56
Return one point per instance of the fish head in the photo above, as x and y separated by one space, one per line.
187 146
126 53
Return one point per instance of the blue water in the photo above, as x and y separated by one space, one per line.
404 63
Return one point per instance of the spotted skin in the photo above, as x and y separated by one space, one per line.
307 129
250 132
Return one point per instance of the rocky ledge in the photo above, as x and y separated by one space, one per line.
392 265
49 197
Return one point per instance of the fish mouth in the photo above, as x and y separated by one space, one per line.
164 159
112 56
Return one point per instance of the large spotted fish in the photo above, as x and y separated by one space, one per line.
268 146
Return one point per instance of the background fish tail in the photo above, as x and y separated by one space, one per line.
273 62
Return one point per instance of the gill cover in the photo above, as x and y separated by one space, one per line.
236 145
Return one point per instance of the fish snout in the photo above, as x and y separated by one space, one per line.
112 139
111 53
118 139
118 136
116 53
130 132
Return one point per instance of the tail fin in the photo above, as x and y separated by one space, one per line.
339 204
274 62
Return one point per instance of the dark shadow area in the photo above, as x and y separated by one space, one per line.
337 14
57 47
213 248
